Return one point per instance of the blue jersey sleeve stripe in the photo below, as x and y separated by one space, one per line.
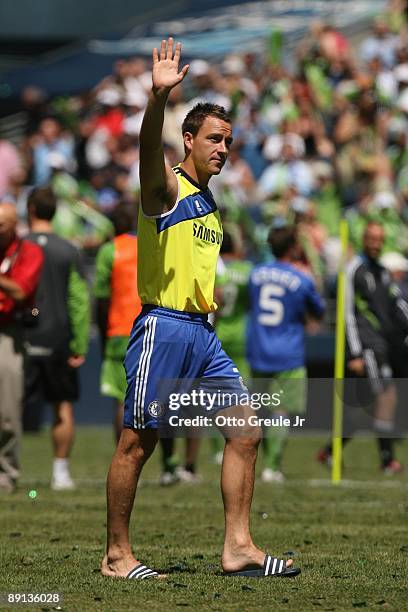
192 206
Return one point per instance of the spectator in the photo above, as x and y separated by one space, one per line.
237 178
57 345
382 44
327 200
291 171
111 115
311 239
251 131
10 165
34 105
17 194
118 304
20 268
207 84
50 139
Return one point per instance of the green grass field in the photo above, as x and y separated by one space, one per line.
351 541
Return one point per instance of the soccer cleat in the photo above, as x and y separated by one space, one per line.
187 476
392 467
275 476
324 457
62 483
168 478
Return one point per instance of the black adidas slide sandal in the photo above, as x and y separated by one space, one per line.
272 567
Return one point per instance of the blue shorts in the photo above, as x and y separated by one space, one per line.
167 351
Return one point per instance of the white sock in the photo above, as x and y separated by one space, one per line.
60 468
382 426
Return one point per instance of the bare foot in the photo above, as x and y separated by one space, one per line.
118 569
121 569
236 560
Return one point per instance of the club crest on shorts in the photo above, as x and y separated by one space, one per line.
155 409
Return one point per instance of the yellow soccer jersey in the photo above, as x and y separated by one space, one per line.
178 250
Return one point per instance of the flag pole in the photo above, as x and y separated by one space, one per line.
340 345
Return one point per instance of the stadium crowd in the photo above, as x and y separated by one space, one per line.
324 139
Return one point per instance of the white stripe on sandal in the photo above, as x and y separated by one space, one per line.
141 572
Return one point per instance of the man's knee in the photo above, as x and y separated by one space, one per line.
138 444
247 439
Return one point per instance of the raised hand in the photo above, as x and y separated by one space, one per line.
166 67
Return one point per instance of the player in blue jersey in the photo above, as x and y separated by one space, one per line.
179 238
281 298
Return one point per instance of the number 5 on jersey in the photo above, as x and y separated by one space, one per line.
272 306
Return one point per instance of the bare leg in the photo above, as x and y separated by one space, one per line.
237 486
386 406
62 432
134 449
118 423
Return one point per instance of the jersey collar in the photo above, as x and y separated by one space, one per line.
191 180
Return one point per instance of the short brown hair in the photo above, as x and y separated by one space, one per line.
43 203
195 118
281 240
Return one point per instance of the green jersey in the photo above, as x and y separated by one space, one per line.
231 321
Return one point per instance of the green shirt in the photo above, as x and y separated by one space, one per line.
231 321
77 221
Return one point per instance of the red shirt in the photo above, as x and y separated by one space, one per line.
112 121
22 261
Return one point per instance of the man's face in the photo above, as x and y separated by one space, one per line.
210 146
49 129
373 241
